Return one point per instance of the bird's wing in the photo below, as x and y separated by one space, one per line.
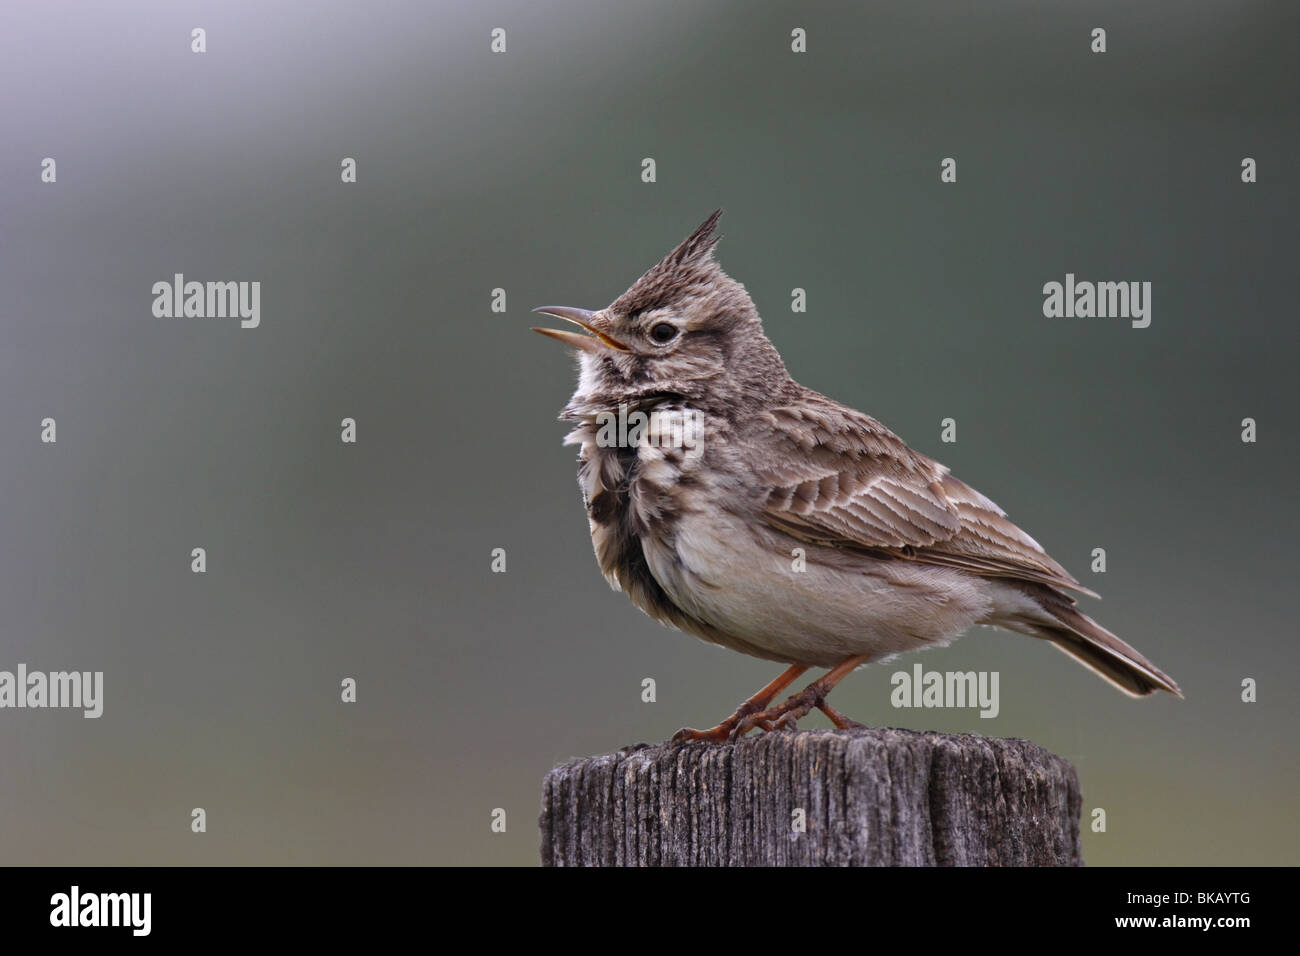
841 478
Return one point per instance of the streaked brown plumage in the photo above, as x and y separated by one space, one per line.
898 553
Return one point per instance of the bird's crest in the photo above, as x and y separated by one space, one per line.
689 266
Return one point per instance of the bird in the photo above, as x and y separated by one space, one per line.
757 514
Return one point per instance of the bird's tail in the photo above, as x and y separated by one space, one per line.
1098 649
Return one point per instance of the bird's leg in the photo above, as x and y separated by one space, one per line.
753 705
785 716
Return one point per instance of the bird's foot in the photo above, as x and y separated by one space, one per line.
757 714
784 716
839 720
722 732
714 735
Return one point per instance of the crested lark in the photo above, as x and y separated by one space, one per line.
701 529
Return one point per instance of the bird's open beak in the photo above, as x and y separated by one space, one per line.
597 343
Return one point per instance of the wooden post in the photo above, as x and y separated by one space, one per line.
865 797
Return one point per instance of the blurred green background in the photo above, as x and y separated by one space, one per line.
522 171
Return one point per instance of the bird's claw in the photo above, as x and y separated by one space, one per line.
714 735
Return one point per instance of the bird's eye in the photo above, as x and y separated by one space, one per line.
663 332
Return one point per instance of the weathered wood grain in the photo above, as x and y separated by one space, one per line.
869 797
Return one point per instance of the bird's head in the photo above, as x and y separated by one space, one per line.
685 328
